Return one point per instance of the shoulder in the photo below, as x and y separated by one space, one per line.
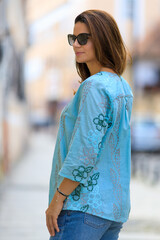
96 82
94 90
127 87
105 83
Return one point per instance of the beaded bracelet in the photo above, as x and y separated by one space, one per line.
62 193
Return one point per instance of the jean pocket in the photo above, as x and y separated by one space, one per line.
61 218
94 221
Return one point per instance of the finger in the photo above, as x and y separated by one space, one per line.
47 223
56 225
50 226
52 231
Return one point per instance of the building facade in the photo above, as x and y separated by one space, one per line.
13 107
146 59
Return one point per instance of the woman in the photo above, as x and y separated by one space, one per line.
89 194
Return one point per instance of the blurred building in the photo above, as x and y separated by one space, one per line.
146 76
13 108
146 54
50 72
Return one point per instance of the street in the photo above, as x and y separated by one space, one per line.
24 198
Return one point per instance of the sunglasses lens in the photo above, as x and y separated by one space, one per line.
82 38
71 39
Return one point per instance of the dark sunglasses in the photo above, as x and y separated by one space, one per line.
82 38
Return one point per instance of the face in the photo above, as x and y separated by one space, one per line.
84 53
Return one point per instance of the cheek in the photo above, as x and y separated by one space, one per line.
91 49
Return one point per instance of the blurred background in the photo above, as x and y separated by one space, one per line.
37 78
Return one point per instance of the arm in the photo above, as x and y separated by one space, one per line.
67 186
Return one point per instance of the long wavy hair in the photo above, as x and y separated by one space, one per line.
109 47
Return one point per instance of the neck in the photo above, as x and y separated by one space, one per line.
96 67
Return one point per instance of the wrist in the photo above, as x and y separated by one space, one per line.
62 193
59 197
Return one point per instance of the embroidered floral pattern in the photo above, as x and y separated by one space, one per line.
105 105
84 208
88 155
57 169
127 98
99 145
91 182
93 200
76 193
62 122
115 157
85 90
109 112
81 173
100 122
93 140
91 203
56 177
75 130
87 197
109 123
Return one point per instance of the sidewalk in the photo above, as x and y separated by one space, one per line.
24 199
144 221
25 193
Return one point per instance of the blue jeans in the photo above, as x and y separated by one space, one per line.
76 225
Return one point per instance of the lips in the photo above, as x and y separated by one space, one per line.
78 53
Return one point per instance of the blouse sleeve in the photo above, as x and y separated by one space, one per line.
93 119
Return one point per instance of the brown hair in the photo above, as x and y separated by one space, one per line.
110 50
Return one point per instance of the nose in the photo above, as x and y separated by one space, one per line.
76 44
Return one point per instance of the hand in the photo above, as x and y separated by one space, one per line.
53 212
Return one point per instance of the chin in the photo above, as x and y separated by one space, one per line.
80 61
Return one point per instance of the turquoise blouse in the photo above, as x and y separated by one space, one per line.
93 147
